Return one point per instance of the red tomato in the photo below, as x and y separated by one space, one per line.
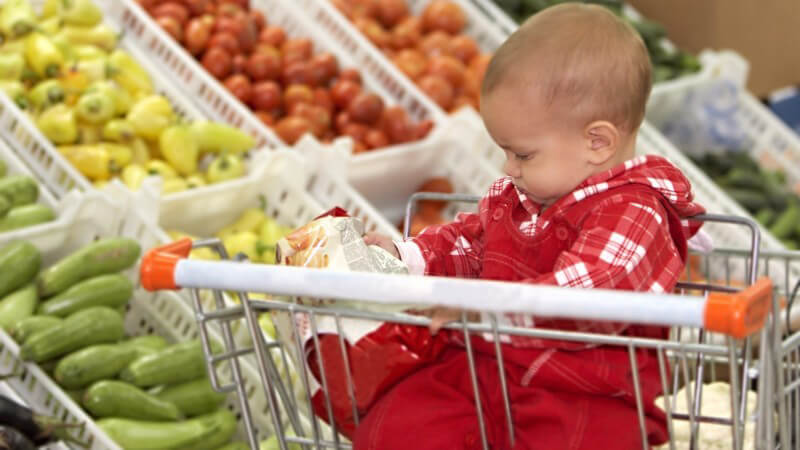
411 62
365 108
225 40
272 35
172 9
376 139
297 72
171 26
218 62
323 67
350 74
264 65
297 93
443 15
343 92
296 49
448 68
291 128
197 34
239 86
438 89
464 48
267 96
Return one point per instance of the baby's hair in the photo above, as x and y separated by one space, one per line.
583 59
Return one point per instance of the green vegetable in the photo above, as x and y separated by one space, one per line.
226 427
16 18
5 206
19 262
104 256
109 398
145 345
193 398
26 216
17 306
96 325
112 290
134 434
751 200
3 168
93 363
175 364
46 94
20 190
80 12
236 446
765 216
786 223
29 326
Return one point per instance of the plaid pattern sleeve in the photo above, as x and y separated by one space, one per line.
622 246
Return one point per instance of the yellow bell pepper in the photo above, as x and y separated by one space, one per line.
141 152
89 134
11 66
118 130
158 167
133 175
173 185
46 94
179 149
150 116
120 98
217 137
195 181
80 12
100 184
129 74
16 92
245 242
93 161
94 69
120 155
88 52
250 220
49 26
100 35
17 18
95 107
224 168
58 124
51 8
43 56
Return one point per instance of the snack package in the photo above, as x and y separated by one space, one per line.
378 353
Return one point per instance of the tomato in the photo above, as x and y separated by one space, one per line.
373 31
225 40
228 24
197 34
343 92
264 65
365 108
239 86
391 12
218 62
322 98
438 89
411 62
443 15
448 68
248 37
396 125
297 72
357 131
318 118
172 9
291 128
196 7
376 139
479 64
258 18
230 8
359 147
464 48
323 67
350 74
239 64
266 117
267 96
296 49
435 43
462 101
422 129
406 34
341 121
171 26
272 35
297 93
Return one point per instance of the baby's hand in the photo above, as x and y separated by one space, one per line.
441 316
384 242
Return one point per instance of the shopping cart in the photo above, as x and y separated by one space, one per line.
720 310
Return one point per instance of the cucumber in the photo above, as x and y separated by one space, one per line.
235 446
142 435
5 206
785 223
19 189
765 216
110 398
144 345
226 427
17 306
103 290
193 398
96 325
19 262
29 326
93 363
26 216
175 364
100 257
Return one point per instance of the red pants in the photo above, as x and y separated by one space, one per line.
559 407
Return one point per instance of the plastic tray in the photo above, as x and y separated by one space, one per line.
165 313
40 154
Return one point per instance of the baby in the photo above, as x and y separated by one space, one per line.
563 97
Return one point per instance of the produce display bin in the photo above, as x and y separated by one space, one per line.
167 314
44 160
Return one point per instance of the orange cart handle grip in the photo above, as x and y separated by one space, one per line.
157 271
740 314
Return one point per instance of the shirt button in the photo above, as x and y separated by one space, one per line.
562 234
498 214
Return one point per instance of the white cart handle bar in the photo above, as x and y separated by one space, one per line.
739 314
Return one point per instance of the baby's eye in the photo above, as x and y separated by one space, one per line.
523 157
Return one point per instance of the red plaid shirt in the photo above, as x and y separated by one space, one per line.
622 229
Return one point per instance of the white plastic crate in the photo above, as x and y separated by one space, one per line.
40 154
8 392
167 314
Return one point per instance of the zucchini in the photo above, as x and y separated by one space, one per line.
785 223
26 216
5 206
20 190
765 216
745 179
29 326
17 306
100 257
96 325
19 262
235 446
110 398
193 398
177 363
93 363
142 435
104 290
144 345
751 200
226 427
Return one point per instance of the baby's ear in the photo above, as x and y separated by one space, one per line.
602 139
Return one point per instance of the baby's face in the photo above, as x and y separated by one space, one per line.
546 155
